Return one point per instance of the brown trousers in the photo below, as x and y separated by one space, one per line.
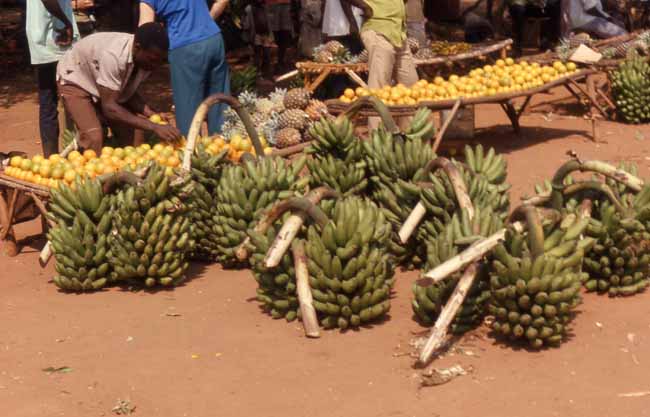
387 63
87 116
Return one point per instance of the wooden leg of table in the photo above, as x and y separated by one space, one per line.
319 80
8 244
512 114
445 125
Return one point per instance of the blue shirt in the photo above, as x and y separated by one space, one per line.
188 21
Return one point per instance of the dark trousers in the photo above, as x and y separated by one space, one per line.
48 114
550 29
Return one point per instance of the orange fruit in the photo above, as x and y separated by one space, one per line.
173 161
118 152
73 155
107 150
26 164
45 171
108 169
16 161
38 158
89 154
99 168
158 147
36 167
268 151
57 172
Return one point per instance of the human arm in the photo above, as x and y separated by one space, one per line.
147 13
218 8
114 111
138 105
367 10
64 37
347 10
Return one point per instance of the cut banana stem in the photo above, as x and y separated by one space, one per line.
597 186
599 167
439 331
291 227
472 254
586 208
314 196
307 310
46 254
381 109
110 181
412 222
457 182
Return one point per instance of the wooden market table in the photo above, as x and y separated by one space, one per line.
477 52
20 201
505 100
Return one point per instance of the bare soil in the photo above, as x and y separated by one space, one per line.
206 349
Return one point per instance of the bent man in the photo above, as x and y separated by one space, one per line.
99 80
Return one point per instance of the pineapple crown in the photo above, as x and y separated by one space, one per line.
270 128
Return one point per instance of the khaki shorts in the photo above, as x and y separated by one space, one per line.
87 117
279 16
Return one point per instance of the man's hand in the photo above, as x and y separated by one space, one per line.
168 133
63 36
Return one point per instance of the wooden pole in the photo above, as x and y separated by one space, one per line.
307 310
439 331
354 77
412 222
473 253
446 124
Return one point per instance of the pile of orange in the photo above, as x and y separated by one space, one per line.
505 76
236 147
52 171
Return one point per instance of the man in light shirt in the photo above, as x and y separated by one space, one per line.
99 79
342 22
51 30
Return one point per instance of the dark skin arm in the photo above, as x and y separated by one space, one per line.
137 105
64 37
367 10
116 112
347 10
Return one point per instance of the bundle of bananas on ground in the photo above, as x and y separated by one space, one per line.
206 172
536 286
618 263
337 157
151 236
79 240
631 89
395 166
243 80
350 273
421 125
430 298
244 193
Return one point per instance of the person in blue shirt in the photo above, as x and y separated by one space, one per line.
197 55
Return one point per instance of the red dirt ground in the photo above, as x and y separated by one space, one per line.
205 349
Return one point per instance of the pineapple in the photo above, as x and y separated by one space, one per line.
294 118
287 137
316 110
323 57
297 98
335 48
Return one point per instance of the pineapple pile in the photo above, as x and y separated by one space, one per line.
334 52
350 272
301 111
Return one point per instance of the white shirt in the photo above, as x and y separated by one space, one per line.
40 25
335 23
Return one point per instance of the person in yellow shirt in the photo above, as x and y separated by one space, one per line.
384 35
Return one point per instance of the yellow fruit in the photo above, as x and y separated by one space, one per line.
349 93
245 145
16 161
38 159
268 151
89 154
145 146
173 161
45 171
344 99
158 147
107 150
155 118
508 61
108 169
571 66
169 171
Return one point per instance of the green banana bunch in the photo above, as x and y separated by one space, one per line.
619 262
536 286
350 272
152 236
245 191
206 172
430 299
79 239
395 167
243 80
489 165
337 157
421 126
631 89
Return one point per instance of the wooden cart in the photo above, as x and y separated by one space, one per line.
314 74
505 100
20 202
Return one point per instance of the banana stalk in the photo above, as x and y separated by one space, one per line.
305 299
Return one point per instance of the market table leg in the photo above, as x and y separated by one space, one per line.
7 238
319 80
